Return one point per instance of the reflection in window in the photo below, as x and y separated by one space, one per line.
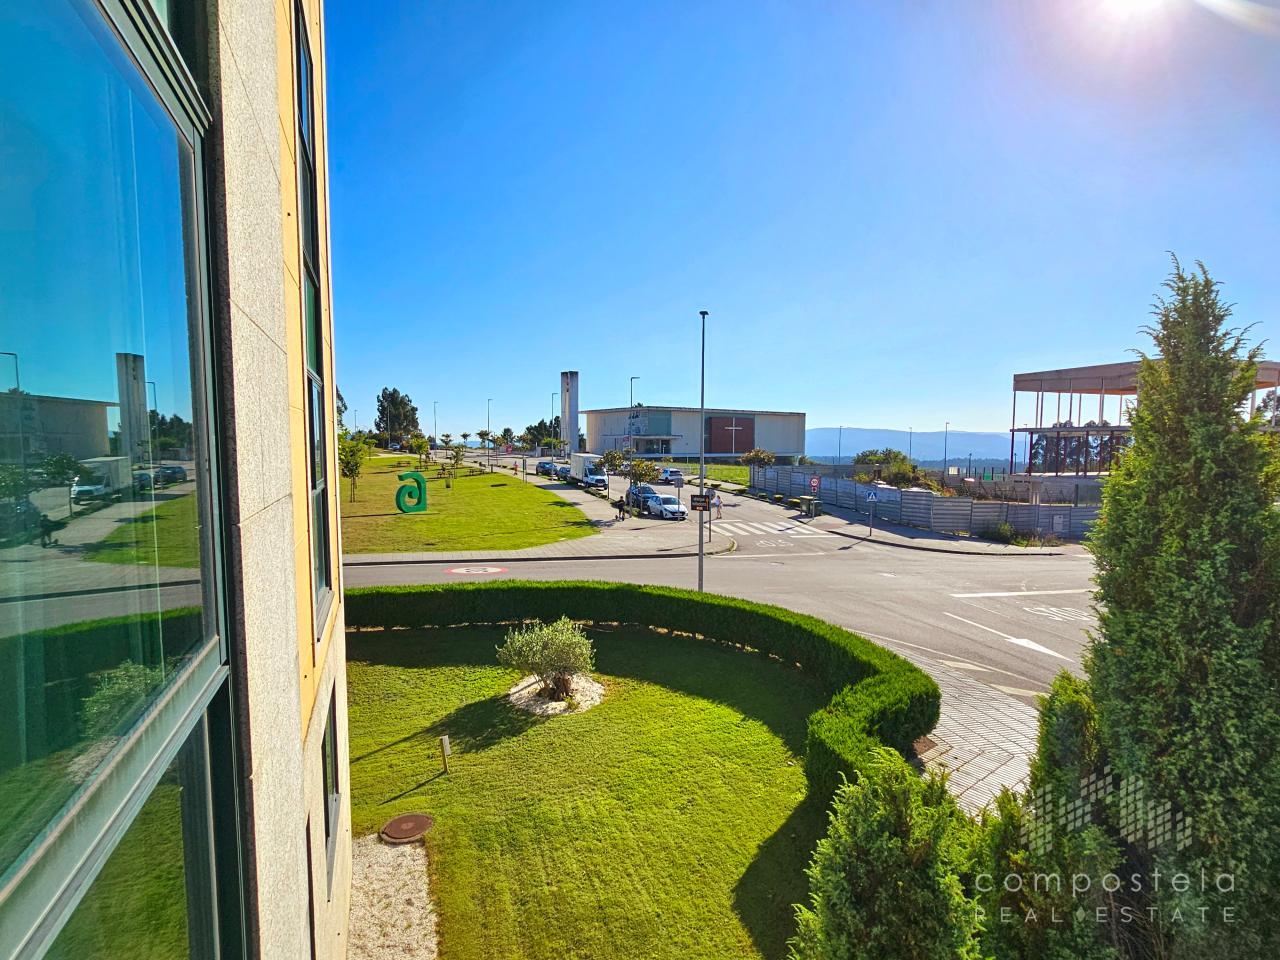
101 470
137 906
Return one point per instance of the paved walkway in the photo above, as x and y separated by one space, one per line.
854 525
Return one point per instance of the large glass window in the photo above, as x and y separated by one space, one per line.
312 320
108 614
332 789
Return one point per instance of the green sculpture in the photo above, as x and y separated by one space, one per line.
412 497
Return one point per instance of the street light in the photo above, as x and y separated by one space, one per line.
555 398
155 405
435 421
488 440
702 444
911 436
945 432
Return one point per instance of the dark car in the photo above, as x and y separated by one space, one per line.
638 494
546 468
563 473
172 473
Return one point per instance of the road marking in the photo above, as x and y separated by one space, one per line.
965 665
1020 641
472 571
1022 593
760 528
1018 691
1062 614
758 556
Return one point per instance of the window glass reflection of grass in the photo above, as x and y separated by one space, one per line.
137 905
167 535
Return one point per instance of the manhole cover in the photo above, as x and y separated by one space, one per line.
473 571
407 827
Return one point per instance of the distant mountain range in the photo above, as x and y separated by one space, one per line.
824 442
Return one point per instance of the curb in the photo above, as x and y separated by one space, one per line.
349 561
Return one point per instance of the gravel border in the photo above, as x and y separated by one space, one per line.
586 694
392 917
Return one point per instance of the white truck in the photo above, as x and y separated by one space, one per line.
586 469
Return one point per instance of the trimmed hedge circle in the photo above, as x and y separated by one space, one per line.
877 697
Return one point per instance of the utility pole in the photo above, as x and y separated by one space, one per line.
702 444
945 432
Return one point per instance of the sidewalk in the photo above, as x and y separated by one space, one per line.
854 526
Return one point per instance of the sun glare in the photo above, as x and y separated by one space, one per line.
1126 10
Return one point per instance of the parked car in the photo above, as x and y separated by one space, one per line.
666 507
172 473
637 494
597 480
393 446
562 473
546 468
669 474
89 486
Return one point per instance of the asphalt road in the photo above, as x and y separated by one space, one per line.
1009 621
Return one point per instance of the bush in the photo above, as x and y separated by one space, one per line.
884 881
1002 532
552 651
877 698
119 693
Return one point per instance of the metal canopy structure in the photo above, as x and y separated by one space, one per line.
1079 443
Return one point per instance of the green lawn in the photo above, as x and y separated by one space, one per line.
670 821
137 905
729 472
497 511
167 535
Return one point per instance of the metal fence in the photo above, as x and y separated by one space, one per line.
925 509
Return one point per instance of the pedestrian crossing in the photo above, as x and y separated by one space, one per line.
770 528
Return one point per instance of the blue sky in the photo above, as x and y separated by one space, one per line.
888 208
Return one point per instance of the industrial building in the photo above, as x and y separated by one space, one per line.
673 432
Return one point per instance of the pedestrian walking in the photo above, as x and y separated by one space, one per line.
717 503
621 505
46 530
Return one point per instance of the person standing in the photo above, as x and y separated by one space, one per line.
717 503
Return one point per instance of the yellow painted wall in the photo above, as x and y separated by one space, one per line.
311 655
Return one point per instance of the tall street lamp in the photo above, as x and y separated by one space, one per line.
555 398
488 441
946 430
702 443
435 421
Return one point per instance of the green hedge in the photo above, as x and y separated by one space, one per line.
876 696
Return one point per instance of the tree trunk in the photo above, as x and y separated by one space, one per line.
559 686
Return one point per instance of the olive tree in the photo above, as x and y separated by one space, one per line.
554 652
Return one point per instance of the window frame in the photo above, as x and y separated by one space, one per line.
315 386
39 894
331 785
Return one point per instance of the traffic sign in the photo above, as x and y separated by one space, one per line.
700 501
871 497
815 483
677 481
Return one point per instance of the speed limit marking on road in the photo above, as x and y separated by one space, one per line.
477 571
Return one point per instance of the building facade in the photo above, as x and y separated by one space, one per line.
660 432
173 746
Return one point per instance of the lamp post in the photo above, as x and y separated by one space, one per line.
839 449
488 440
911 436
631 410
945 432
435 421
555 398
702 443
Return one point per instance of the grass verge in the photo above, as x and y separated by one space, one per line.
168 535
492 511
669 821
